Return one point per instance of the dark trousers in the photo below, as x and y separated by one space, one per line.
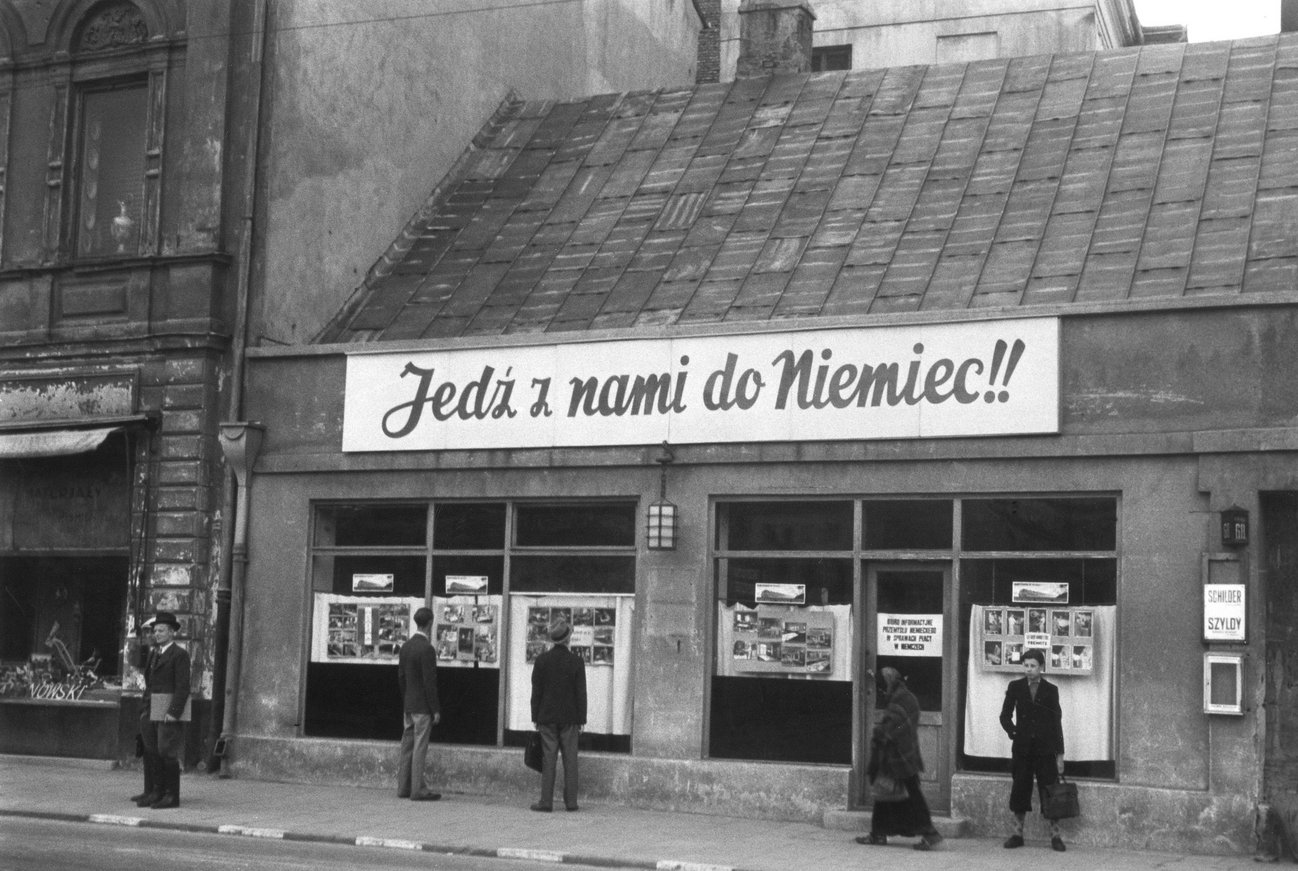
1023 768
556 739
163 740
414 750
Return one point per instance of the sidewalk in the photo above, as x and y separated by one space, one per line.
608 836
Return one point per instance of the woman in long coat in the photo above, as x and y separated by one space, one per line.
894 752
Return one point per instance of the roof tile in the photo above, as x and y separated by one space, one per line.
1159 172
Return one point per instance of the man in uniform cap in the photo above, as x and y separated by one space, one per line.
559 712
166 683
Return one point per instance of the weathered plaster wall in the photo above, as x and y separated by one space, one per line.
904 32
369 106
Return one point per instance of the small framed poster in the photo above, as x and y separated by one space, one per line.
1040 592
373 583
780 594
1223 683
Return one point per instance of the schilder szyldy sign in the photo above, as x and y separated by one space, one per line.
972 379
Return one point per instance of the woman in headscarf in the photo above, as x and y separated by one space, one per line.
894 752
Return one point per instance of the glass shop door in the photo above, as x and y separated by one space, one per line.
908 625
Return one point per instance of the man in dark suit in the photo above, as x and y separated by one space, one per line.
417 674
166 684
1031 716
559 712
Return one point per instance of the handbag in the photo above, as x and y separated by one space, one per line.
1059 800
532 752
886 789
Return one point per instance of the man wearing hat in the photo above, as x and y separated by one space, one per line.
166 693
559 712
420 709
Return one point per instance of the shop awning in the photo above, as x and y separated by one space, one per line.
52 443
27 440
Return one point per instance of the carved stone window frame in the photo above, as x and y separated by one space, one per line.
138 46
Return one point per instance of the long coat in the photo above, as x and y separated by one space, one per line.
559 688
1034 725
167 671
894 748
417 675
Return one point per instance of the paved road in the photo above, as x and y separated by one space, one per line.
46 845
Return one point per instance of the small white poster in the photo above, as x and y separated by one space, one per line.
1223 612
910 635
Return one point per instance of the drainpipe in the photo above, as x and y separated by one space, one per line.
240 441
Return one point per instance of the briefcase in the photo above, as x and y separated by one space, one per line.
159 703
1059 801
532 752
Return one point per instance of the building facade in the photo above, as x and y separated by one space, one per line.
854 35
177 179
119 158
768 384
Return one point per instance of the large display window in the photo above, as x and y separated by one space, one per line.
493 573
782 686
1039 572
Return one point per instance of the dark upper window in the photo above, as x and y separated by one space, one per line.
831 57
110 169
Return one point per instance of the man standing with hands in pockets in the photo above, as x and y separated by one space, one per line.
417 674
559 712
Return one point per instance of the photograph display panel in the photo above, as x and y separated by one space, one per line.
607 636
771 640
1067 637
360 629
466 631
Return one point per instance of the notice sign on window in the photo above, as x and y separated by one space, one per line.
910 635
1223 612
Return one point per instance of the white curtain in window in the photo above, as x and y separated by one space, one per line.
608 687
1087 700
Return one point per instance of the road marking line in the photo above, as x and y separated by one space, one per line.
251 832
534 855
115 820
394 843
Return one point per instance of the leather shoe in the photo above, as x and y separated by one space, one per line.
1013 841
872 839
148 800
543 808
426 796
1057 844
168 800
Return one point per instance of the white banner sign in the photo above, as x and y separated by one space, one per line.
910 635
974 379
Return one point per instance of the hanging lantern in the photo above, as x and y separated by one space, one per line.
661 520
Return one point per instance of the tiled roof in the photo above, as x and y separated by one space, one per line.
1167 172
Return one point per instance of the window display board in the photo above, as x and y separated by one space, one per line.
601 635
361 629
1066 635
1087 701
466 631
807 641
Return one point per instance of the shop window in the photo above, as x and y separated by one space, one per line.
594 592
790 526
907 524
375 564
1062 602
110 170
575 525
782 687
1037 525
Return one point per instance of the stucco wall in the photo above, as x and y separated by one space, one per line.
904 32
369 105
